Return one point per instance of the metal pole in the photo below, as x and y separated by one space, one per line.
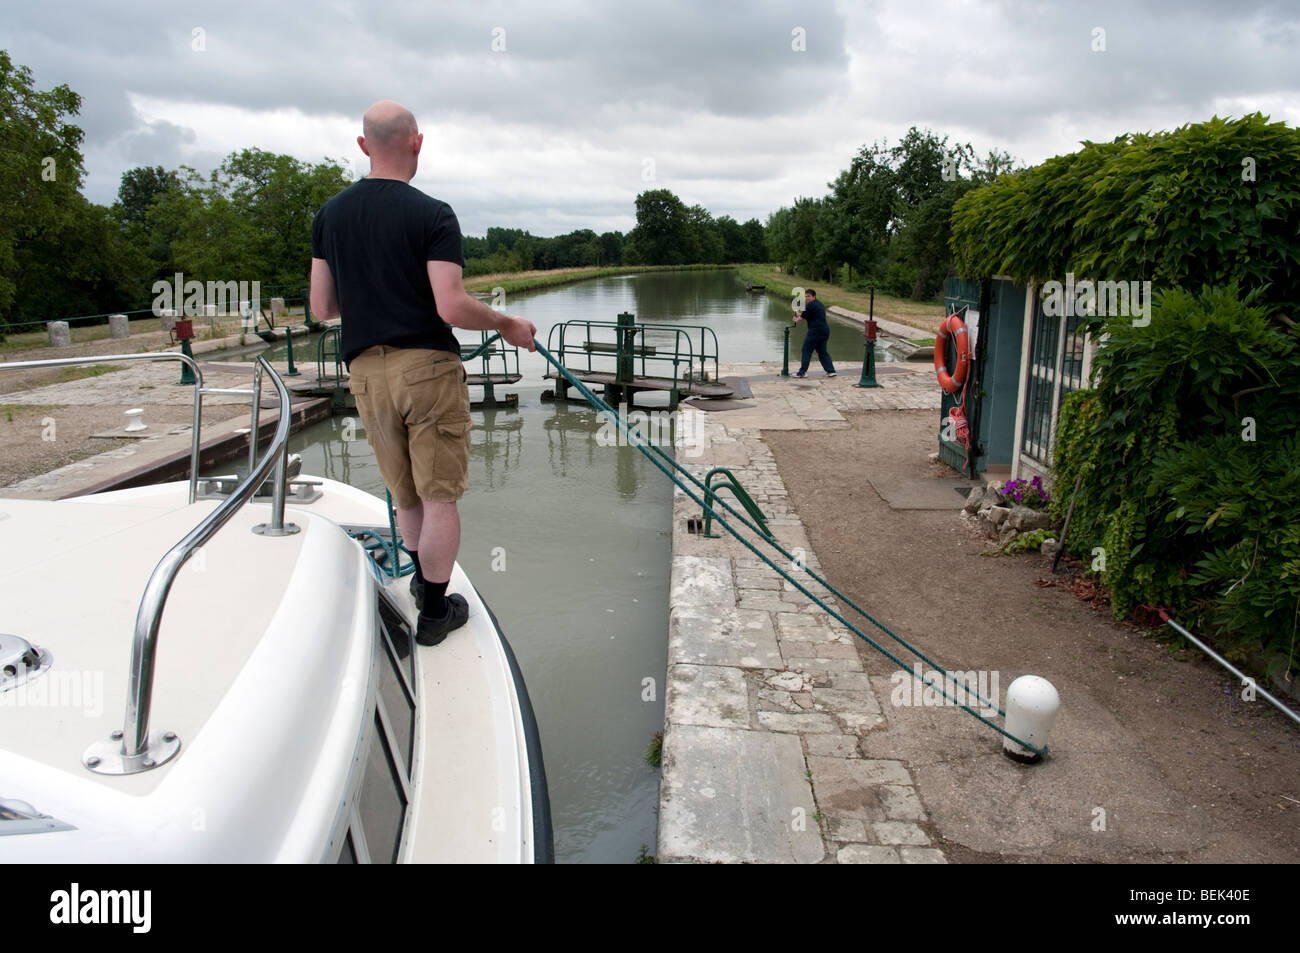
257 408
194 442
1228 665
868 378
288 340
1066 528
187 375
277 489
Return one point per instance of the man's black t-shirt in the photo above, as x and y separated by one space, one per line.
814 314
377 236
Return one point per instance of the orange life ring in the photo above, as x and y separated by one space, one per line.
952 325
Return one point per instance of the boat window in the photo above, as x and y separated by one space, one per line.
400 634
382 804
348 855
398 705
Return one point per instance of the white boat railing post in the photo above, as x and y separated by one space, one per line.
194 429
256 414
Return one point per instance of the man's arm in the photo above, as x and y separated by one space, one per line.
458 309
324 299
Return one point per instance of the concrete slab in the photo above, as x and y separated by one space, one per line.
701 581
864 854
851 787
808 721
708 695
737 637
736 797
944 493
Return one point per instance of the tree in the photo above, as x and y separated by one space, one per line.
662 228
278 196
139 189
735 244
503 239
87 268
40 173
887 216
703 241
778 238
611 248
755 241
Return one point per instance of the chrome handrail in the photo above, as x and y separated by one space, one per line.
134 749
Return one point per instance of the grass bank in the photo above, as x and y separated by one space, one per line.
530 280
205 329
922 315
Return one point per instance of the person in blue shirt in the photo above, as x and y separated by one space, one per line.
819 332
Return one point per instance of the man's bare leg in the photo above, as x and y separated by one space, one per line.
439 540
408 524
432 530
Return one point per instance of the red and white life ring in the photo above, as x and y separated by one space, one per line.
952 325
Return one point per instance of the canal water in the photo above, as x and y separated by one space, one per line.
568 538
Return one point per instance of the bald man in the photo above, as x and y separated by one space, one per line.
389 258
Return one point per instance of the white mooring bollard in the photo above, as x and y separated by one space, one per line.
135 420
60 334
119 326
1032 703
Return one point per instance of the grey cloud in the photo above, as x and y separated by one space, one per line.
713 91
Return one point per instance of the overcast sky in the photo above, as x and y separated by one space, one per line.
553 116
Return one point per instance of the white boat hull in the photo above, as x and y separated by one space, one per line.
273 671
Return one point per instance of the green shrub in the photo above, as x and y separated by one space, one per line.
1205 204
1190 466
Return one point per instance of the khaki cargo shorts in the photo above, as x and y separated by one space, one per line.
414 404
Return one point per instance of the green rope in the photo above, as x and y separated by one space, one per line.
395 549
655 455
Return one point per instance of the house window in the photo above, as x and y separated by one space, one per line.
1043 349
1057 356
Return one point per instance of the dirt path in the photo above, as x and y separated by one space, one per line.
36 439
1155 757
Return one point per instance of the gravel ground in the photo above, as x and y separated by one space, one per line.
1165 733
24 454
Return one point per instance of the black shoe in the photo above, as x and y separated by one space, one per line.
417 590
432 631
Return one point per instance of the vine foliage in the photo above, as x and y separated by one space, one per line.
1190 463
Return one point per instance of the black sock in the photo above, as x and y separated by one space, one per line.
415 558
435 599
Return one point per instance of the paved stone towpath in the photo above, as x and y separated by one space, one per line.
768 702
